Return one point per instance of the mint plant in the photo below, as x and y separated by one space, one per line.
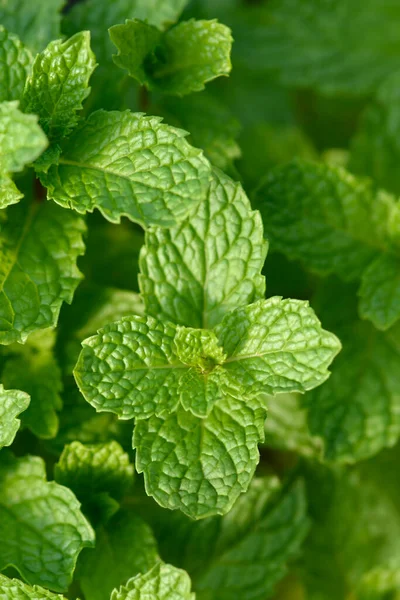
199 300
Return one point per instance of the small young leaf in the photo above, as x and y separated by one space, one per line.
380 291
9 193
130 165
51 527
197 272
40 245
277 346
12 404
15 63
162 582
125 547
181 61
14 589
160 13
59 83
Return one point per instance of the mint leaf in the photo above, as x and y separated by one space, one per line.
380 292
195 273
34 368
15 63
201 466
48 518
14 589
58 84
326 218
160 13
162 582
277 346
180 62
356 412
125 546
12 404
36 23
9 193
136 167
40 245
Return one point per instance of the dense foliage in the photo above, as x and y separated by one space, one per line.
199 299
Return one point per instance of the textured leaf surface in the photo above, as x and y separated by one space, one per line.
36 23
325 217
59 83
15 62
34 368
276 346
198 465
356 412
40 245
198 271
130 165
13 589
318 44
380 292
12 404
21 139
41 527
9 193
162 582
125 546
182 61
138 366
89 470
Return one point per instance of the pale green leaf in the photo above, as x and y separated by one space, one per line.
125 546
380 292
9 193
36 23
357 411
201 466
15 63
21 138
180 62
277 346
162 582
12 404
40 245
14 589
34 368
130 165
327 218
200 270
59 83
51 530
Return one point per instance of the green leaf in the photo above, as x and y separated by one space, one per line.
357 412
12 404
125 546
375 148
160 13
180 62
34 368
197 272
326 218
201 466
21 138
90 470
319 45
40 245
9 193
162 582
58 84
14 589
51 529
130 165
15 63
36 23
277 346
380 292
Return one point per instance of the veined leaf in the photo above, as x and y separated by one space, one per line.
39 247
195 273
130 165
15 63
380 291
50 528
12 404
179 62
14 589
162 582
